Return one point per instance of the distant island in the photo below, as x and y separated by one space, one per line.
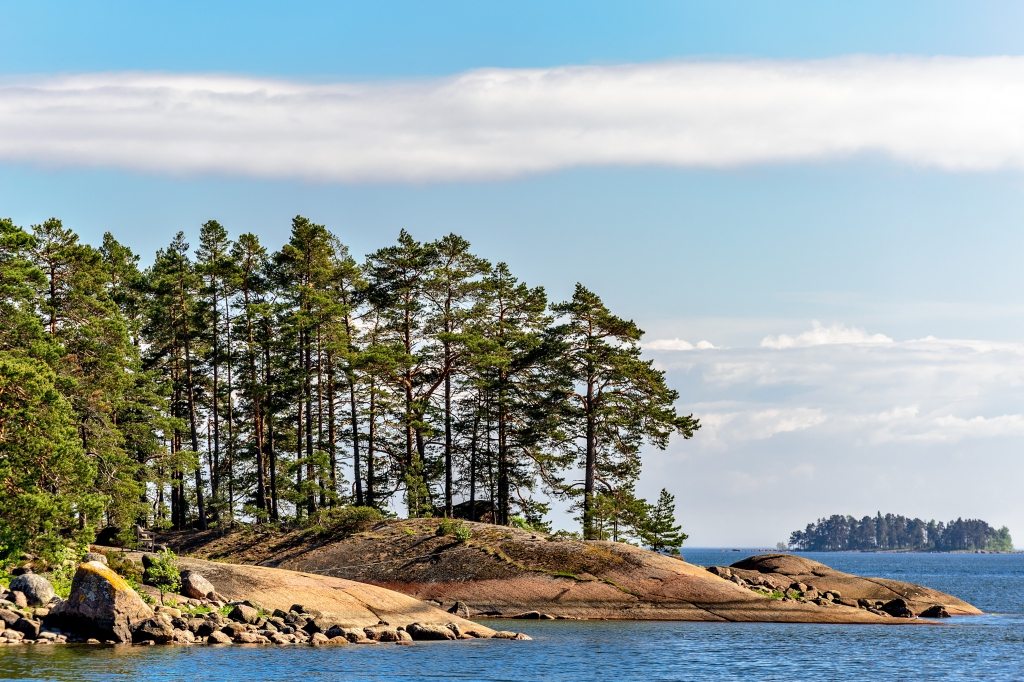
898 533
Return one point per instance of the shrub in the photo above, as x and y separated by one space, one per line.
163 573
62 569
344 521
454 527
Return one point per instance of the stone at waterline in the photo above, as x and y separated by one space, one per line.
37 589
429 631
218 637
898 608
101 604
936 611
156 629
195 586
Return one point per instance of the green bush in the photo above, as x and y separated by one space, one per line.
163 573
62 569
343 521
455 528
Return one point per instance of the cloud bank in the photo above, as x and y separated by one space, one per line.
951 113
836 419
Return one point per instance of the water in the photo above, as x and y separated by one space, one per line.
989 647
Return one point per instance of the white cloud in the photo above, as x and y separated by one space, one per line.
927 427
820 335
677 344
948 112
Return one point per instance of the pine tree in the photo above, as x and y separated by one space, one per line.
660 531
620 399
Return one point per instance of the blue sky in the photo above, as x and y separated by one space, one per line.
898 222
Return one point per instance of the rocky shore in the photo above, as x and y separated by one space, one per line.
103 608
505 572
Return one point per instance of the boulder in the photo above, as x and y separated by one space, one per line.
95 556
429 631
157 630
318 639
243 613
8 617
897 608
101 604
37 589
936 611
506 634
383 633
19 599
218 637
29 628
194 585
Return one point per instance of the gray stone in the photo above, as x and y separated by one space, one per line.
95 556
37 589
459 609
19 599
156 630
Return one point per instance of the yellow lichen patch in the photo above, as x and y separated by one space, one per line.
117 582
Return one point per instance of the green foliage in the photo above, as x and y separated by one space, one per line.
62 567
44 473
1000 541
230 380
897 532
163 573
343 521
519 522
619 402
561 535
456 528
659 529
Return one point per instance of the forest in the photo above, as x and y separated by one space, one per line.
893 532
236 383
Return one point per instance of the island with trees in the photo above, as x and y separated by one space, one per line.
285 407
892 532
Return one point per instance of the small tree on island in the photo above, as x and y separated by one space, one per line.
661 532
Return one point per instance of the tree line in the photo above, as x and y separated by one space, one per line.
234 382
893 532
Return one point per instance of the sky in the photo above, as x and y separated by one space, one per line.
813 209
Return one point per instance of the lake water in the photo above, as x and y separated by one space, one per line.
989 647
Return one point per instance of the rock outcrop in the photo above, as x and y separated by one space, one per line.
102 607
785 571
500 571
101 602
